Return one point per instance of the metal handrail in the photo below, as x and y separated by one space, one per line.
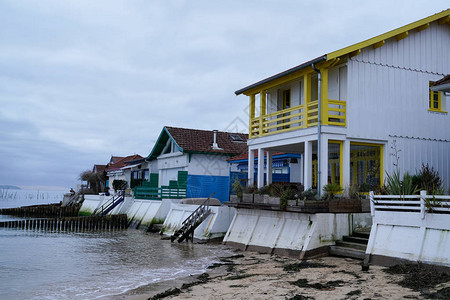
111 201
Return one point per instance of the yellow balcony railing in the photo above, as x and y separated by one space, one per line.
297 117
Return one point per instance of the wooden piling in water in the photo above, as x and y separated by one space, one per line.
75 224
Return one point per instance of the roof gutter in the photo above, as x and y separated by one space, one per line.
282 74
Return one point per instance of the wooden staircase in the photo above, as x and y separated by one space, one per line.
110 204
196 218
353 246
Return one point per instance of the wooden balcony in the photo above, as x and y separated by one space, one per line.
298 117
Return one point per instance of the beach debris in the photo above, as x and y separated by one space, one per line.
296 267
354 293
202 278
240 276
329 286
167 293
419 277
301 297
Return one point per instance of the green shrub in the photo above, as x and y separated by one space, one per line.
394 185
331 190
119 185
309 194
251 189
265 190
429 180
238 188
353 191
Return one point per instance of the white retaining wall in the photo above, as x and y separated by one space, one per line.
410 233
90 203
292 233
140 213
214 226
143 213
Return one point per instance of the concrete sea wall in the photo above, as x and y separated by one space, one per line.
141 214
286 233
421 234
90 203
214 226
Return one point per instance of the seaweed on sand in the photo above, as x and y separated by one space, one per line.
443 293
239 276
330 285
301 297
203 278
167 293
418 276
296 267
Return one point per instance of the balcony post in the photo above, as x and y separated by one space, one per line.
324 96
262 111
262 103
251 114
260 182
306 88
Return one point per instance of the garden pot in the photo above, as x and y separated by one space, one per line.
247 198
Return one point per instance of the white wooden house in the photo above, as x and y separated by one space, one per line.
356 112
201 157
119 168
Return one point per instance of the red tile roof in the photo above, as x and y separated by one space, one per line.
98 168
114 159
122 162
444 80
194 140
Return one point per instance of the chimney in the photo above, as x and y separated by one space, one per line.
215 146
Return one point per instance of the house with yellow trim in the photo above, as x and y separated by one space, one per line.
359 112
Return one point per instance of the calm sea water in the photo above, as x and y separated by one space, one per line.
52 265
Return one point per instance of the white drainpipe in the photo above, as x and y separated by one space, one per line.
319 124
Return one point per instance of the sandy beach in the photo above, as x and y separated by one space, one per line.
249 275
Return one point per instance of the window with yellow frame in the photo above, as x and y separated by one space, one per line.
334 162
366 165
434 99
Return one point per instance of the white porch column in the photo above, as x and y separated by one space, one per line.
269 167
260 183
323 172
251 167
346 164
160 183
307 165
301 163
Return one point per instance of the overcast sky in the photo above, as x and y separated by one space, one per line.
83 80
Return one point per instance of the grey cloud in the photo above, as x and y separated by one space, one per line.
81 80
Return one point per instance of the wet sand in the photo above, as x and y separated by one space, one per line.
250 275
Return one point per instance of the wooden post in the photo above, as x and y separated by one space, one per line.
372 204
423 194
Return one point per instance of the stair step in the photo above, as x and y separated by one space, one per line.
355 239
361 234
347 252
186 232
357 246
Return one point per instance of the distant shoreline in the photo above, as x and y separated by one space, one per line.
10 187
35 187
